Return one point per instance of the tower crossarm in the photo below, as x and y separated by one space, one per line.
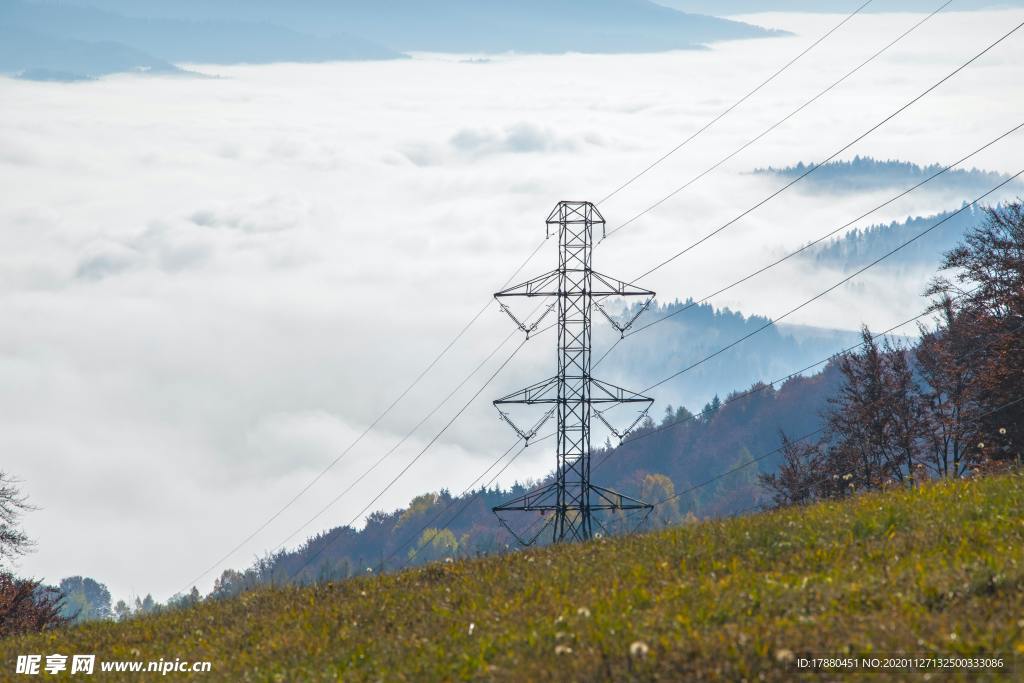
541 392
613 500
604 392
543 499
604 286
542 285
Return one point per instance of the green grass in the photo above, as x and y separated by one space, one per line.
935 570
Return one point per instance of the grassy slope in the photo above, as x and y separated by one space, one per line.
939 569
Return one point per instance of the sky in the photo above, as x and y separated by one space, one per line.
210 286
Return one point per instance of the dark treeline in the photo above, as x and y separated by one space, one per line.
951 406
692 333
862 246
864 174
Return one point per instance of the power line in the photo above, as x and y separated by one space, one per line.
734 105
736 398
843 281
745 278
971 352
764 386
466 502
444 351
420 454
813 168
398 445
433 520
846 280
820 239
838 284
676 423
793 113
433 363
692 137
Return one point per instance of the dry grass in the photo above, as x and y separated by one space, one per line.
935 570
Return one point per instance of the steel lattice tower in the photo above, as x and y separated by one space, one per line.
573 393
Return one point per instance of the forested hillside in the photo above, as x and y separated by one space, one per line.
691 332
862 246
865 174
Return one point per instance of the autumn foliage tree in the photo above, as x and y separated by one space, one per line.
951 406
985 277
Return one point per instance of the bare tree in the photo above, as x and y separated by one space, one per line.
947 360
13 504
988 282
801 477
875 427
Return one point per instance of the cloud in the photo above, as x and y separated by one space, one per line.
518 139
477 144
208 287
273 214
106 259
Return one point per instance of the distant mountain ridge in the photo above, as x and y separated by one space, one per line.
39 56
862 246
81 42
867 173
695 331
470 25
466 25
730 7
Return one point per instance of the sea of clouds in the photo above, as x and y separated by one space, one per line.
210 286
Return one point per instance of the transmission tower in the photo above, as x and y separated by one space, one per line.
574 396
